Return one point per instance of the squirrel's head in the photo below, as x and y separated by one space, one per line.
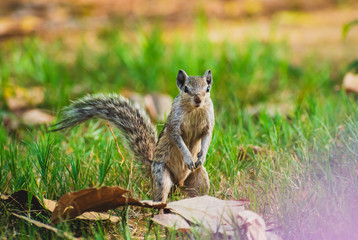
194 91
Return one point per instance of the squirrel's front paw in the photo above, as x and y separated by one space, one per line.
191 165
198 163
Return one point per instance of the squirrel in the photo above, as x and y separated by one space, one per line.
177 157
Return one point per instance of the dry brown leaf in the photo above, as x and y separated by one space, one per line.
148 204
21 198
36 117
95 216
74 204
49 204
4 196
211 213
252 226
105 198
151 204
173 221
226 218
350 83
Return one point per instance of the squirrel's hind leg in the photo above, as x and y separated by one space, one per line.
162 182
197 183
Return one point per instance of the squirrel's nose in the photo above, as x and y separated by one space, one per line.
197 99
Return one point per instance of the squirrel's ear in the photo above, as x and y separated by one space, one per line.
181 78
208 76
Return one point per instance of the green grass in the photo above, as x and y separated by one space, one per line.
310 171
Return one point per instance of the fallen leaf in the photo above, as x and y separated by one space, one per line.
350 83
49 204
149 204
173 221
4 196
21 197
211 213
252 226
74 204
227 218
95 216
105 198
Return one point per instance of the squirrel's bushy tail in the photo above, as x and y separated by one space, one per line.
129 118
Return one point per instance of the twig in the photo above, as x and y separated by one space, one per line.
58 232
115 140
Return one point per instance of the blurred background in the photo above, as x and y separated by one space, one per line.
255 48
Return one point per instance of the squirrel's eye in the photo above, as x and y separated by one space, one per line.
208 89
186 89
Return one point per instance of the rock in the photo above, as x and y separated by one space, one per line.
158 106
134 97
36 117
